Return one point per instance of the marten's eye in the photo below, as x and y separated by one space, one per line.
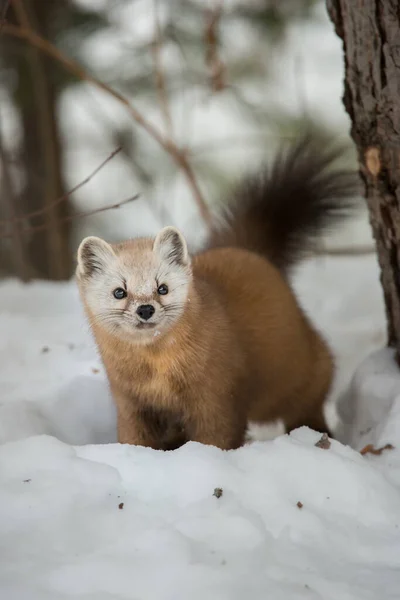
119 293
162 289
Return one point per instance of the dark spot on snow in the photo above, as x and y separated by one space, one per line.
218 492
223 562
324 442
299 504
365 431
27 480
71 346
94 370
121 505
45 350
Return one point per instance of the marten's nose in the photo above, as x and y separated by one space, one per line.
146 311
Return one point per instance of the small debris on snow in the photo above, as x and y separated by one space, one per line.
299 504
45 350
121 505
27 480
218 492
95 371
369 449
324 442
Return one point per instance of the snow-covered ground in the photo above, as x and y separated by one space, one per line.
81 517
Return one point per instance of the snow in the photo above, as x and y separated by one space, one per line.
62 527
84 517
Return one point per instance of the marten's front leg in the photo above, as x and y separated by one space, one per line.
133 423
216 423
134 427
143 425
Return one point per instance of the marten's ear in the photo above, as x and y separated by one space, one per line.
94 255
171 246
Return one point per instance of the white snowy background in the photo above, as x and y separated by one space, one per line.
84 517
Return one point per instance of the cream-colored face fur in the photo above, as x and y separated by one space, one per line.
139 268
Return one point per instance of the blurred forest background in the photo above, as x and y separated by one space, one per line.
172 100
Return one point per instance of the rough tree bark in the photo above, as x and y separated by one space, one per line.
370 30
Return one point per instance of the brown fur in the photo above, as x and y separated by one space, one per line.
242 349
280 211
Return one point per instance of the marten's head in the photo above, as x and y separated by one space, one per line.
136 290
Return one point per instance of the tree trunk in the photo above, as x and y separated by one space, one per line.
370 30
35 96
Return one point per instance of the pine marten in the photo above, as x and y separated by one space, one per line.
195 348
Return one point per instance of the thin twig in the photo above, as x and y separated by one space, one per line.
212 58
64 197
159 74
346 251
370 449
78 215
95 211
178 154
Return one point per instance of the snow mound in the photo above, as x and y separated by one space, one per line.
291 521
51 378
371 409
281 519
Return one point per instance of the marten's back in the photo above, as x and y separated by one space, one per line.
281 346
260 303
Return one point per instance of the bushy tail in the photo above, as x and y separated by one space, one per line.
281 211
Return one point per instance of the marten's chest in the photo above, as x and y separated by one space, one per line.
162 382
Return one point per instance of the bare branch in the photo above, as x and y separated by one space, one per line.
159 74
178 154
346 251
212 58
78 215
64 197
95 211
